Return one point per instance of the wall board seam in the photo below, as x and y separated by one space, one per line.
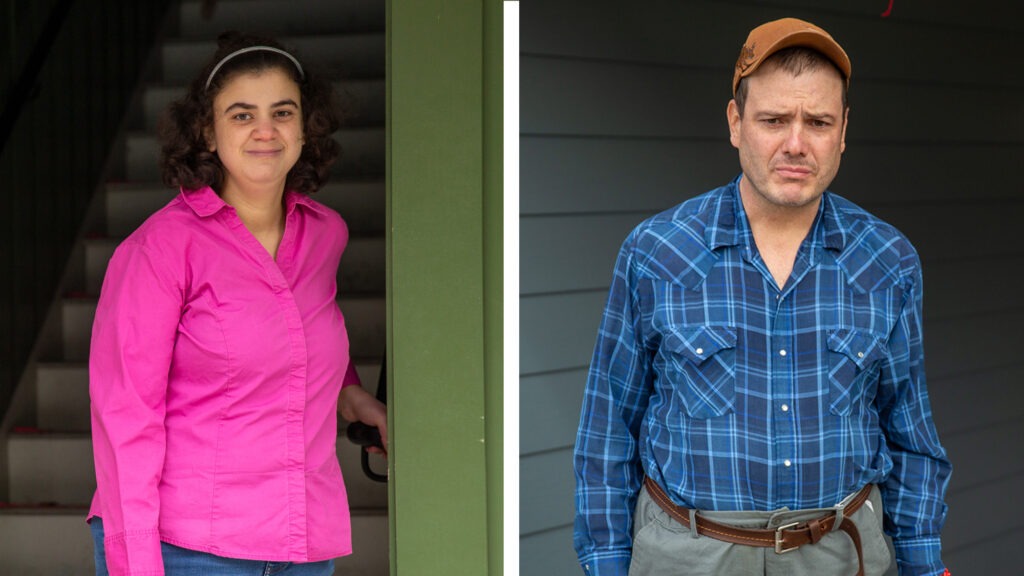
543 531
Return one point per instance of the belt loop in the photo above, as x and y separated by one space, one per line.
693 524
839 516
841 508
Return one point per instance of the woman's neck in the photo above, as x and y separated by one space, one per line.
262 213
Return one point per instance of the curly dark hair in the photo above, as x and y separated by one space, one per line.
186 160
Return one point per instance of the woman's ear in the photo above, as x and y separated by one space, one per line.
211 142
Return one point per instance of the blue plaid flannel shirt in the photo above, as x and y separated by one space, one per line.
735 395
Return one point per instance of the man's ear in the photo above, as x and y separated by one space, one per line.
732 114
842 140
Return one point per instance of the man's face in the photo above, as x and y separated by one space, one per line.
790 137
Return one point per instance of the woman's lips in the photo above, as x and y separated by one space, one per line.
264 152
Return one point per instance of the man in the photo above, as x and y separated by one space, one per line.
759 370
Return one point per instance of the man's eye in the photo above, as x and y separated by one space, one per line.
772 121
819 123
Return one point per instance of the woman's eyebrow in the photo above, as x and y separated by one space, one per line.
247 106
242 105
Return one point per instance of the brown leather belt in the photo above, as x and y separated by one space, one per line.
784 538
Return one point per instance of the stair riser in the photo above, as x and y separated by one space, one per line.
285 18
355 56
362 155
62 394
361 204
49 544
362 267
365 318
59 468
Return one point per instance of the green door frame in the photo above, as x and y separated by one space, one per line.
444 307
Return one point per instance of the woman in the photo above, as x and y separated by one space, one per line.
219 355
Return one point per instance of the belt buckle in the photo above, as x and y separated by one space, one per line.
778 538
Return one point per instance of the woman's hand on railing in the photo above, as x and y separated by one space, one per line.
358 405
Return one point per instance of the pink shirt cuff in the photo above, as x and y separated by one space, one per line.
134 553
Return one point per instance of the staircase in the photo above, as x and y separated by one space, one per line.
49 456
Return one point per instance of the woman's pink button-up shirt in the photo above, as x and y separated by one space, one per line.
214 374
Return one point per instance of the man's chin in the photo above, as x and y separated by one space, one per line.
798 198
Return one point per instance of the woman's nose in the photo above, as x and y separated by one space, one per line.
263 128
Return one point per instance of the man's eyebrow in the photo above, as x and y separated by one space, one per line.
773 113
820 115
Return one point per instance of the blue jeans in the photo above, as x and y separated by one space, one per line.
184 562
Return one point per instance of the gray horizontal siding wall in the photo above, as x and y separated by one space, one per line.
623 115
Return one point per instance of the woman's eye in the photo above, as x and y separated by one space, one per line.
283 113
242 116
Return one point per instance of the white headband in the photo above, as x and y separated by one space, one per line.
302 75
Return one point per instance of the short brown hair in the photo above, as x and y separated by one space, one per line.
795 60
186 160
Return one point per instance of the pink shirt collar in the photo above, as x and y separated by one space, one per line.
206 202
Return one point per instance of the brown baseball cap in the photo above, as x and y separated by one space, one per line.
770 37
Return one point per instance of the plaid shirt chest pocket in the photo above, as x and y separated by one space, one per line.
700 365
854 362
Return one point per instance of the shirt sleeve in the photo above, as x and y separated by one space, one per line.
914 492
132 344
351 376
607 463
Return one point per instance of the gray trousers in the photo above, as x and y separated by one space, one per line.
664 547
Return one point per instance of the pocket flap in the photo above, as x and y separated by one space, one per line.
859 346
699 343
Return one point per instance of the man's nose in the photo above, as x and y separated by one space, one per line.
795 143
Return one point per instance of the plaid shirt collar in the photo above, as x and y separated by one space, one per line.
732 227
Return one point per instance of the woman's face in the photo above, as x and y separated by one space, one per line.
257 130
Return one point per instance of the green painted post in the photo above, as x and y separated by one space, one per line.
493 205
444 286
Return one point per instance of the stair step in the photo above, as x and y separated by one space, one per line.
364 316
58 467
332 55
62 393
283 18
362 99
50 468
28 538
360 202
362 269
369 546
362 155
